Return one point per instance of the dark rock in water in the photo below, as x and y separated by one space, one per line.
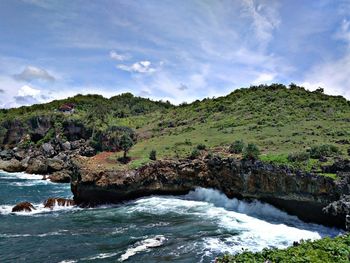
23 207
11 166
60 177
52 202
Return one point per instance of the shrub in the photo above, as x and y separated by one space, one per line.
201 146
236 147
325 150
251 152
126 143
195 153
299 157
153 155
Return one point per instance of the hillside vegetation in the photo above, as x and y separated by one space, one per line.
280 120
326 250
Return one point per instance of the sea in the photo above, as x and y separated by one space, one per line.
197 227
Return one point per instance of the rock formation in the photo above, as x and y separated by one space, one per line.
52 202
23 207
301 194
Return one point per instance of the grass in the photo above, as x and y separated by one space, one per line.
326 250
278 119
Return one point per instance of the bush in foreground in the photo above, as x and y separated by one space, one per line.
324 250
236 147
153 155
325 150
251 152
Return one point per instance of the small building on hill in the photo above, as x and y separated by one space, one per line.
67 108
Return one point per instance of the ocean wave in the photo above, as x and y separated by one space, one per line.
143 246
56 233
39 209
20 175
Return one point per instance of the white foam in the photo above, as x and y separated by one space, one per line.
248 225
39 209
102 256
20 175
56 233
143 246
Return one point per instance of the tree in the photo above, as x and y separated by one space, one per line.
251 152
236 147
126 143
153 155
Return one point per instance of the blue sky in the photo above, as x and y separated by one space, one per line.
171 50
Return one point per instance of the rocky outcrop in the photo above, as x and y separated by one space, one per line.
11 166
52 202
60 176
302 194
23 207
51 159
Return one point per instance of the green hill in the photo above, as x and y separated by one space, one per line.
280 120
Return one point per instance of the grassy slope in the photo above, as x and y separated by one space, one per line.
279 120
325 250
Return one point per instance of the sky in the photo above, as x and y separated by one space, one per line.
179 50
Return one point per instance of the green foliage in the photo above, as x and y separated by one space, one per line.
201 146
48 136
325 150
326 250
153 155
126 143
251 152
236 147
195 153
299 157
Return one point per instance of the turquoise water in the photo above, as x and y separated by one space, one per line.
193 228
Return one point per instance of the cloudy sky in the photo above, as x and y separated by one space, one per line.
172 50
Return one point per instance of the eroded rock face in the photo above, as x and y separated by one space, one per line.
11 166
340 208
52 202
298 193
23 207
60 176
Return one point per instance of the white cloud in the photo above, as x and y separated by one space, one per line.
138 67
115 56
28 91
333 75
265 18
264 78
33 73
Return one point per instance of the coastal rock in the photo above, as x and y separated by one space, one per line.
55 164
298 193
23 207
37 165
66 146
48 149
60 177
87 151
6 155
52 202
11 166
340 208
